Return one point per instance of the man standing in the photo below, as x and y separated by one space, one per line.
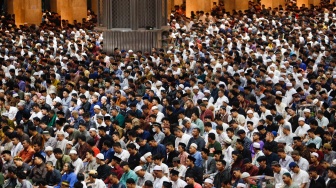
160 177
194 170
39 171
103 169
179 167
209 164
157 148
278 172
76 162
223 174
94 181
171 153
299 176
263 168
143 176
134 157
128 173
288 181
53 176
332 177
176 180
196 154
315 179
191 182
61 159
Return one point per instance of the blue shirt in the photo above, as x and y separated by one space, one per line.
199 159
71 178
108 154
91 108
303 66
145 135
160 149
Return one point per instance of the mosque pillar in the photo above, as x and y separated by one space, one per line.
273 4
202 5
193 5
214 1
300 3
72 9
242 5
229 5
314 2
33 11
237 5
170 6
94 6
178 2
207 4
26 11
55 6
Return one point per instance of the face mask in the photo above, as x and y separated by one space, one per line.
153 129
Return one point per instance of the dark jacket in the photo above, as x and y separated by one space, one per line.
171 155
220 177
195 172
53 178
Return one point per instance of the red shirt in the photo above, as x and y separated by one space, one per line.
26 155
118 170
253 171
196 185
95 150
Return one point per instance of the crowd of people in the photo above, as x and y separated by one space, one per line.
241 99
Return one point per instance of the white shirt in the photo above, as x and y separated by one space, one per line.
184 139
301 178
62 144
303 163
285 162
124 155
16 149
12 112
281 109
165 169
264 114
240 119
289 94
220 101
141 180
255 121
99 184
278 176
254 160
280 130
51 158
79 165
179 183
228 154
323 122
302 131
34 114
159 117
182 170
159 181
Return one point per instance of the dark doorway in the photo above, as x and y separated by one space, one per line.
46 5
89 4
